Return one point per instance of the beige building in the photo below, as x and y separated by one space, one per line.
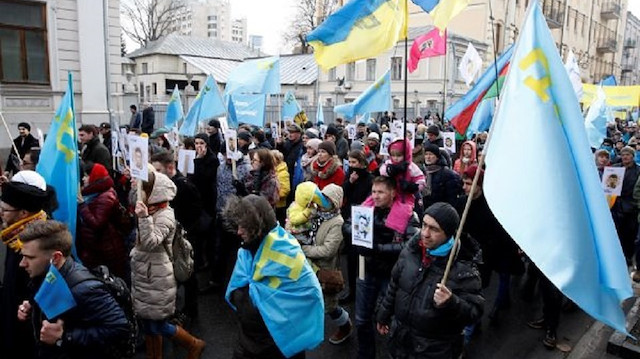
210 18
631 52
592 29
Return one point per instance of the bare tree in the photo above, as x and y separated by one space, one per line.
149 20
306 20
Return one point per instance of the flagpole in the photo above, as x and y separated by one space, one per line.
444 79
406 80
474 184
495 49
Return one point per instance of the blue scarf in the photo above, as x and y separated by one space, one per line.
443 249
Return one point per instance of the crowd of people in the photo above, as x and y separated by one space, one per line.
292 195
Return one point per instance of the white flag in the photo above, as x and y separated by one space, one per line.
470 64
574 74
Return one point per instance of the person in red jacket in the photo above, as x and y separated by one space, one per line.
327 167
98 240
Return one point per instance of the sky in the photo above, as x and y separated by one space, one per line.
634 7
269 18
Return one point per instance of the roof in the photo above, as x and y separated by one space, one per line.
126 60
174 44
300 69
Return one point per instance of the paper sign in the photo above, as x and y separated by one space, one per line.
185 161
387 137
362 226
396 128
138 157
323 131
40 137
275 134
231 141
612 180
411 134
449 141
173 137
351 131
114 142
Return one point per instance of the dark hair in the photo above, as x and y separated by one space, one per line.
89 129
34 153
265 156
165 158
133 107
52 236
359 155
253 213
389 182
189 143
259 135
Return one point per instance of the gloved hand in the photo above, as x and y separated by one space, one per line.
241 189
408 187
397 169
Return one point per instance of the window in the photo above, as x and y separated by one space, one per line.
371 69
332 74
145 68
23 43
154 86
396 68
351 71
212 17
212 26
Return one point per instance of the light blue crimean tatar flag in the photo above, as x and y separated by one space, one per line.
174 109
285 290
54 296
207 105
290 106
376 98
255 76
58 163
598 116
248 108
548 197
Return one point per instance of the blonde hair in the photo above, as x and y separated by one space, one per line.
277 156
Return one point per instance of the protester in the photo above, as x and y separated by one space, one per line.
260 140
309 157
625 208
434 136
387 245
279 306
204 175
154 286
324 252
467 157
96 322
602 160
105 132
136 118
92 149
99 241
23 143
148 119
245 139
283 184
428 316
336 136
30 159
23 201
327 167
442 184
215 136
292 149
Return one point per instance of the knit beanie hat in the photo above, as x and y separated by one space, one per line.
27 190
332 130
334 193
446 216
328 146
629 150
374 136
314 143
433 129
312 133
215 123
98 172
357 145
432 148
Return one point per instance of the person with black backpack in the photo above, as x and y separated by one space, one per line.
95 326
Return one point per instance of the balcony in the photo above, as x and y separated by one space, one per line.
554 12
610 10
630 44
607 45
629 66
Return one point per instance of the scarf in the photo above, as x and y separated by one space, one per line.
325 170
11 235
317 221
430 169
153 208
428 256
306 160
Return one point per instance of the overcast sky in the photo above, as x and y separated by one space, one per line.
271 18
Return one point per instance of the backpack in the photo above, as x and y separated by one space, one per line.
182 257
119 290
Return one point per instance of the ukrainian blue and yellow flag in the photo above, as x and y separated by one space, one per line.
376 98
361 29
565 227
174 110
255 76
285 289
442 11
207 105
58 163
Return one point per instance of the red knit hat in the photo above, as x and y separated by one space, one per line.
98 172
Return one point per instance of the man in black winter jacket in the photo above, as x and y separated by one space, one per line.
92 149
428 317
89 328
23 143
292 149
387 245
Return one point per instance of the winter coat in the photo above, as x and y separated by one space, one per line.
625 203
342 147
153 284
325 252
204 178
330 172
285 185
266 185
355 193
420 329
148 120
387 244
446 186
459 166
95 323
187 205
98 240
291 151
94 151
225 181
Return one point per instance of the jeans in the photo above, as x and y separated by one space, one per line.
158 327
369 292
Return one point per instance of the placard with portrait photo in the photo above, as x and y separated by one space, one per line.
362 226
449 139
139 157
387 138
612 178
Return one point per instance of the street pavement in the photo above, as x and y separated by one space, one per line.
509 338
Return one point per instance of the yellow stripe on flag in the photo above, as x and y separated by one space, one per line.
447 10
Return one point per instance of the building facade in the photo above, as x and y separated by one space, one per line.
210 18
40 43
631 52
